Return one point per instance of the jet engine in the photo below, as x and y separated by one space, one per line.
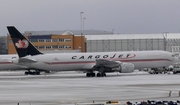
125 68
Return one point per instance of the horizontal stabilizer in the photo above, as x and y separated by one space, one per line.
20 60
27 60
8 59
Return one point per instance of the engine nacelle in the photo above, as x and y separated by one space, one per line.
124 68
127 68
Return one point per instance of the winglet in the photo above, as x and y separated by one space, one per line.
22 45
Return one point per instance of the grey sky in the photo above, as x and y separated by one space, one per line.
124 16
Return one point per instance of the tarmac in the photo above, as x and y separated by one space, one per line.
68 88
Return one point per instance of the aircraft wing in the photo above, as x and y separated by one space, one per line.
106 63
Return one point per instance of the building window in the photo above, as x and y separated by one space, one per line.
48 40
41 47
61 46
67 46
67 40
48 47
41 40
33 40
55 47
61 40
55 40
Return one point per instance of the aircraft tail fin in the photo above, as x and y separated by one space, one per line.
22 45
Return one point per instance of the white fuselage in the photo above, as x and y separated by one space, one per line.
7 64
85 61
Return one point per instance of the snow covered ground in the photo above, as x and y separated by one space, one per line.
70 87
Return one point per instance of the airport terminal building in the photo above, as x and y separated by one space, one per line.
97 41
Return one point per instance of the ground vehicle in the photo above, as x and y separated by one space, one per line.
176 68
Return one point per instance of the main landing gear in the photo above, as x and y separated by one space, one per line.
90 74
98 74
101 74
32 72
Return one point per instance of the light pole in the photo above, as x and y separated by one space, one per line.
81 13
83 26
83 33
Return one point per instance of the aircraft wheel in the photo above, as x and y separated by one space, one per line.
98 75
93 74
88 74
101 74
47 71
33 73
104 74
37 73
26 73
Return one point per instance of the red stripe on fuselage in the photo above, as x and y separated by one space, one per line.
85 62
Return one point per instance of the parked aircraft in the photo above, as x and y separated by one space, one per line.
103 62
7 64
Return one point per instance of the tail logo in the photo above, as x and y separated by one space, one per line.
22 43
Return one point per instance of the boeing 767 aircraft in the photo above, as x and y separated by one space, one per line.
103 62
7 64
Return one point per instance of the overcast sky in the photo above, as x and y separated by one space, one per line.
124 16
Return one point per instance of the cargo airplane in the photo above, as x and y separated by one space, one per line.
103 62
7 64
